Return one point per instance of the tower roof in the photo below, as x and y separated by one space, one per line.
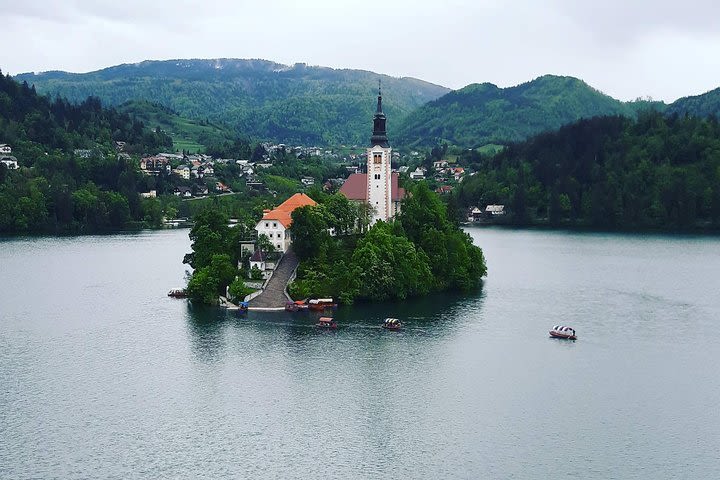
379 136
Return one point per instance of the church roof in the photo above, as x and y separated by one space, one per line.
283 212
355 187
379 135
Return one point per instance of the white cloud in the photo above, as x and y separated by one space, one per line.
625 48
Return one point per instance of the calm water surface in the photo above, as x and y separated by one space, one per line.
103 376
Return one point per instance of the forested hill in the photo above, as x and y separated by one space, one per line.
69 176
657 172
484 113
698 105
266 100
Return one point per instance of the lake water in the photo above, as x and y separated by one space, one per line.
103 376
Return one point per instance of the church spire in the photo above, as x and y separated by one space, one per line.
379 136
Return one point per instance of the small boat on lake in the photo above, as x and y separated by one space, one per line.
564 332
320 304
177 293
243 307
392 324
326 322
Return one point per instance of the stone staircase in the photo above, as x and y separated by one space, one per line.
274 294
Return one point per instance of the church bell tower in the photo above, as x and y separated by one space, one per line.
379 175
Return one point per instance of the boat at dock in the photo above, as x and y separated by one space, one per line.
178 293
563 332
392 324
320 304
296 306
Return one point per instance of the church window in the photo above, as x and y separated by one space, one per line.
377 158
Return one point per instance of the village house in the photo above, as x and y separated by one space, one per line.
150 194
440 164
154 165
474 215
457 173
185 192
308 181
257 260
222 188
183 171
275 223
418 174
9 161
5 149
444 189
495 210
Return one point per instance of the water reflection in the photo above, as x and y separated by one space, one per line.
436 315
207 328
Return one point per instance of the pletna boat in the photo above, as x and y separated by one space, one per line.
564 332
392 324
320 304
296 306
326 322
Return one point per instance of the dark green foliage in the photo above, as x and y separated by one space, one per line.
660 172
56 190
309 230
238 291
299 104
211 236
210 281
422 251
705 105
215 256
483 113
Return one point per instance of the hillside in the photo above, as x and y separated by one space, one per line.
187 134
699 105
656 172
484 113
64 174
262 99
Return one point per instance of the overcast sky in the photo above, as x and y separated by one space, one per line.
626 48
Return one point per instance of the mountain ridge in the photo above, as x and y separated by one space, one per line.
257 97
323 105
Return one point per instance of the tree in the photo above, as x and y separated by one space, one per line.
309 231
210 281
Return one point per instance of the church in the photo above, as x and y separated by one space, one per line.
379 186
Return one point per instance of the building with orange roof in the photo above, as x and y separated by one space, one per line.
276 222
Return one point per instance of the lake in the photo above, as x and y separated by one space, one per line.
103 376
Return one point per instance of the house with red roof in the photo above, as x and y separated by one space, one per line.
276 222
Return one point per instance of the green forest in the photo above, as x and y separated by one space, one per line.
421 251
262 99
655 172
481 114
59 190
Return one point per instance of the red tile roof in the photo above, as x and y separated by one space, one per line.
283 212
355 187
